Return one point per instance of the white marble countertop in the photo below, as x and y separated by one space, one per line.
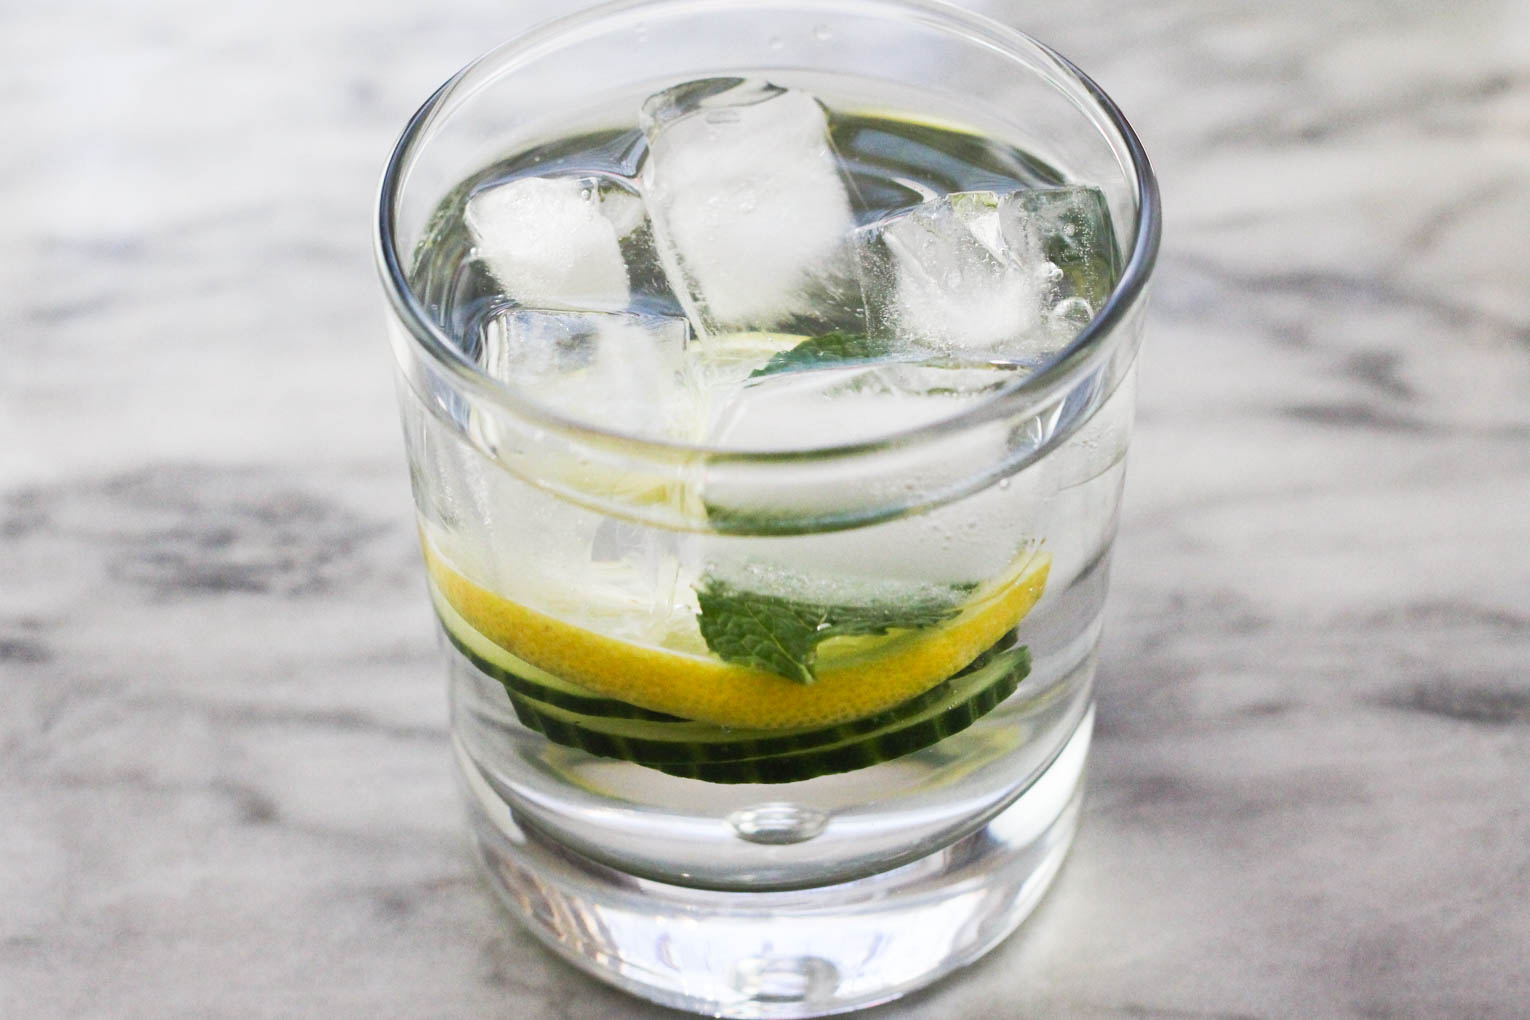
224 784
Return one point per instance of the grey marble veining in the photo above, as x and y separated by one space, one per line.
224 787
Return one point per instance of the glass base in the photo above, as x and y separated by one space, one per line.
810 952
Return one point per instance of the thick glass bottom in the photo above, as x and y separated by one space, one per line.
800 953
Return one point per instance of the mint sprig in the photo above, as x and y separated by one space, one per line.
830 349
781 635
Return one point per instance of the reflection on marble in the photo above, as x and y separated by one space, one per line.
225 788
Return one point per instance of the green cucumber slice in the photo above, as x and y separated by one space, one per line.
522 678
718 755
684 740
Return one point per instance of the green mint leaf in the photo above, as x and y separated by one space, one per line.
836 348
782 636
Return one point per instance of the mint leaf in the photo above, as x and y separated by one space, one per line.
782 636
836 348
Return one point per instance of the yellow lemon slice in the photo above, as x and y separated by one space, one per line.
870 678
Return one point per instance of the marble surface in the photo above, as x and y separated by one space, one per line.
224 785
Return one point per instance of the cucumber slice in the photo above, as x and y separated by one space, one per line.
718 755
522 678
686 741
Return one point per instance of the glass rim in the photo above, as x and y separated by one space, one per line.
1068 364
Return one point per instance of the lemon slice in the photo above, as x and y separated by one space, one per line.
866 678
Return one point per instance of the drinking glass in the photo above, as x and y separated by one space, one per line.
827 867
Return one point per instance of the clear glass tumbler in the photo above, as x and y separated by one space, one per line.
700 827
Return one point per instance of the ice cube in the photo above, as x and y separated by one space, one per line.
528 539
839 406
622 370
1067 231
943 275
750 207
630 586
970 540
977 273
828 407
592 570
555 242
